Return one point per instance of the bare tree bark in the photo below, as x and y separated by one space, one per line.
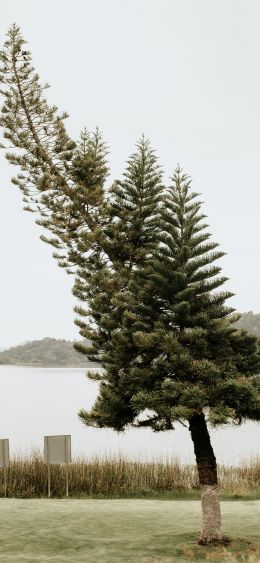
211 532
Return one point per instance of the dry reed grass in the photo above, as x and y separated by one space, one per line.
118 477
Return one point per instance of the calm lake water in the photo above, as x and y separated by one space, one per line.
40 401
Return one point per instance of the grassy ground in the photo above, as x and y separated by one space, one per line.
121 531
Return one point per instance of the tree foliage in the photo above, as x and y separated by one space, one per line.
143 262
176 351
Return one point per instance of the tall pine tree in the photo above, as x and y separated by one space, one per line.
129 237
188 362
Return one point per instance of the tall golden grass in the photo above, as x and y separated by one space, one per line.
115 477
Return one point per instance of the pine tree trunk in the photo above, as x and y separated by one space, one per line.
211 532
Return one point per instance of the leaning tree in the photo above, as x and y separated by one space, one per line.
143 266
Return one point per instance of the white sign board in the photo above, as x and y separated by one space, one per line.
4 452
57 449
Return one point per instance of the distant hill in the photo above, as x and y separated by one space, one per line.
60 353
45 352
251 322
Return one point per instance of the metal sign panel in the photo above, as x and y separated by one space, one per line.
57 449
4 452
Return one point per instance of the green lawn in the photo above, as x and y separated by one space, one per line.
120 531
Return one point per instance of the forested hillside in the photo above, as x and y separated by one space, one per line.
251 322
45 352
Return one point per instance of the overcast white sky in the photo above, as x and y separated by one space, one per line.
183 72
